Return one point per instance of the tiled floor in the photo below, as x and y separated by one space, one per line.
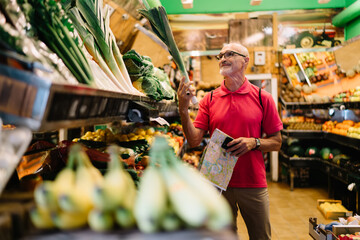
290 212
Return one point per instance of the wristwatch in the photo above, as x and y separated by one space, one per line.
257 142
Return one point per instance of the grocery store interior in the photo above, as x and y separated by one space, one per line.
92 145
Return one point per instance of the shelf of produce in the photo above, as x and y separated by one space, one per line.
303 134
343 140
297 161
132 235
342 174
303 105
41 105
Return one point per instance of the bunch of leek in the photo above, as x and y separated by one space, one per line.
156 14
54 29
92 21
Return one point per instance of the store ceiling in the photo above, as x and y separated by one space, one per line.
231 6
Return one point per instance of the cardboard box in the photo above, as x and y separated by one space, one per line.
333 214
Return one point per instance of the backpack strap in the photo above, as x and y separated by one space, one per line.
260 100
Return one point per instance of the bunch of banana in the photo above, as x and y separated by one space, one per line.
114 198
172 194
65 202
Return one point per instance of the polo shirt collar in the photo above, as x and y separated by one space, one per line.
245 88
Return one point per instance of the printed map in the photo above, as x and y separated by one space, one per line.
217 165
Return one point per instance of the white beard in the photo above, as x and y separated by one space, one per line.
225 71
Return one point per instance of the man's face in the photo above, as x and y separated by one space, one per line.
231 61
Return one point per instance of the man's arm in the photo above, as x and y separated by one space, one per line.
193 135
242 145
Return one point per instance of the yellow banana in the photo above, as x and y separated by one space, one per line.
69 220
112 192
41 218
65 181
45 196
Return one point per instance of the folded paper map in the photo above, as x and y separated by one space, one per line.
216 164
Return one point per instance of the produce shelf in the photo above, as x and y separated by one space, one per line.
343 140
297 161
41 105
303 134
303 105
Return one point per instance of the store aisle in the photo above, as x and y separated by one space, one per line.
290 212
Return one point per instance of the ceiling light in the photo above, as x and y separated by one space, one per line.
187 3
255 2
323 1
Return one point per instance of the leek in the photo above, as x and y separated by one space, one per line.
97 22
91 46
156 14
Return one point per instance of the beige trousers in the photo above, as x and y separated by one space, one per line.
253 204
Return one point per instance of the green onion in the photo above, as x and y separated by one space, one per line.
52 26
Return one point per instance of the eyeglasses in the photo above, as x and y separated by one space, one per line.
228 54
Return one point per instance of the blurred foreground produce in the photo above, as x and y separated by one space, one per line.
80 195
173 195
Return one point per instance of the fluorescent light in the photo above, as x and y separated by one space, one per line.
323 1
255 2
187 3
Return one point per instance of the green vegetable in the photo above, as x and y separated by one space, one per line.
156 14
312 152
325 153
101 41
295 150
146 78
54 29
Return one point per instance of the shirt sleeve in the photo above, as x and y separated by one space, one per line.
271 119
202 118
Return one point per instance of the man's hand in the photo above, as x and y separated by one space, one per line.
240 146
185 92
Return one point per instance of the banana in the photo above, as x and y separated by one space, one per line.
101 199
69 220
131 193
151 200
73 202
111 194
65 180
79 199
41 218
124 218
100 221
45 196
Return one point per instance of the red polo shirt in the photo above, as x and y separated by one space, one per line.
239 114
